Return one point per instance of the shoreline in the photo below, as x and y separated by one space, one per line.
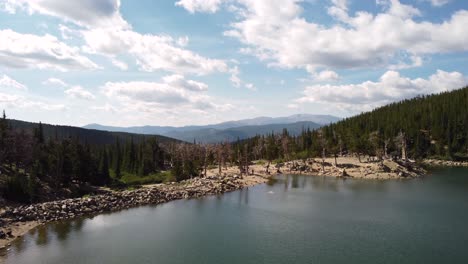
346 167
17 221
445 163
20 219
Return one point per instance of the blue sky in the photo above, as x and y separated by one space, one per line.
185 62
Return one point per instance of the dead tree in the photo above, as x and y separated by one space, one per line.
400 141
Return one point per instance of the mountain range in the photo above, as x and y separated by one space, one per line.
231 130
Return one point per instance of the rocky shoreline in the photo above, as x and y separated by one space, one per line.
445 163
111 201
16 221
342 167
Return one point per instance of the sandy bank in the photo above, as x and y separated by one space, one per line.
346 167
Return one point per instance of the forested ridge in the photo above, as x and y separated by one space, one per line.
42 162
89 136
433 126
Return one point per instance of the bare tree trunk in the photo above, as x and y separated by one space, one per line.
386 148
403 152
323 159
205 165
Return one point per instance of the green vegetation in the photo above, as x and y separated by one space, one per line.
36 165
37 158
422 127
133 179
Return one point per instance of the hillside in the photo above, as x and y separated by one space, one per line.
90 136
428 126
431 126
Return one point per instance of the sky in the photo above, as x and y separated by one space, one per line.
196 62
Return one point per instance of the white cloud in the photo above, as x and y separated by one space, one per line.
276 32
7 82
106 108
391 87
88 13
16 101
79 92
207 6
8 99
439 2
40 52
119 64
55 82
107 33
183 41
174 93
326 76
179 81
152 52
235 80
250 86
293 106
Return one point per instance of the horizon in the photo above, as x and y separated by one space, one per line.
197 125
195 63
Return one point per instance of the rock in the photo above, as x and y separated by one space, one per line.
2 235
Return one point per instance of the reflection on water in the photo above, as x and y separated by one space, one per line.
44 234
291 219
244 196
271 181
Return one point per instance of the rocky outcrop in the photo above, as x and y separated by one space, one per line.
349 167
118 200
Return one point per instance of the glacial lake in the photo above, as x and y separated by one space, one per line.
293 219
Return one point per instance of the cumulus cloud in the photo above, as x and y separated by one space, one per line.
391 87
55 82
174 92
41 52
80 93
7 82
16 101
119 64
179 81
439 2
326 76
106 33
237 81
207 6
152 52
88 13
276 31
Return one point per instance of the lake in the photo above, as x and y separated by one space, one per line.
292 219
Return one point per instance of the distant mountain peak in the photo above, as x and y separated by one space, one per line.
241 127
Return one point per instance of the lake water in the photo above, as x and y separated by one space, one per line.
295 219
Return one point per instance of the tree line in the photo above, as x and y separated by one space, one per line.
433 126
426 126
33 164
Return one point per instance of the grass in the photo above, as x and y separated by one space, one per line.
260 162
133 179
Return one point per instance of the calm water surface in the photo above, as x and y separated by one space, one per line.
295 219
